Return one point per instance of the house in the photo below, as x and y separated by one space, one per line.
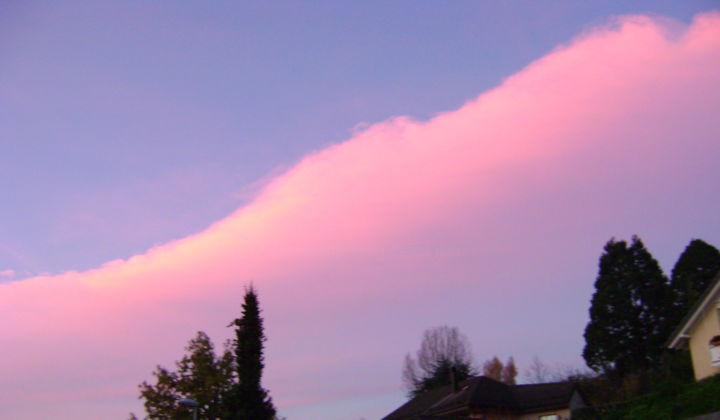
485 398
699 331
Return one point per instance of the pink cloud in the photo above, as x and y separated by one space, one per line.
408 224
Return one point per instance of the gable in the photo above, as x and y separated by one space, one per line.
707 302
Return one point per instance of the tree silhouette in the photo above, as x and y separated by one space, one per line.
226 386
629 310
201 376
444 356
692 274
248 399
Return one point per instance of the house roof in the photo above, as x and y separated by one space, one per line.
418 405
682 333
480 393
443 418
541 397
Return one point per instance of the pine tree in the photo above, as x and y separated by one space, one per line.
629 310
247 399
692 274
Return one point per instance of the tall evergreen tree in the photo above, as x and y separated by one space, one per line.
629 310
692 274
248 399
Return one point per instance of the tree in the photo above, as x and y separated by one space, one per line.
248 399
692 274
538 372
629 310
201 376
509 372
444 356
493 368
227 387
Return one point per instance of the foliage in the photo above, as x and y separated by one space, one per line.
444 356
692 274
227 387
629 311
247 398
200 376
634 306
670 400
509 372
505 373
612 390
493 368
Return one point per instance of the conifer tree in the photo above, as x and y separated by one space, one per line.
247 398
692 274
629 310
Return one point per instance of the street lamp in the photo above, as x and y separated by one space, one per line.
187 402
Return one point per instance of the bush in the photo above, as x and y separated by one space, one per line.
672 400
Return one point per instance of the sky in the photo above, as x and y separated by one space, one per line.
373 168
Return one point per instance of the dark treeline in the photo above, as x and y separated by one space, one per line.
633 312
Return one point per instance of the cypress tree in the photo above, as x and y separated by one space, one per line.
629 310
248 400
692 274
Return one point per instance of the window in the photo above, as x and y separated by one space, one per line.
714 347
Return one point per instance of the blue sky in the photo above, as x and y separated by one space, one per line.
128 124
